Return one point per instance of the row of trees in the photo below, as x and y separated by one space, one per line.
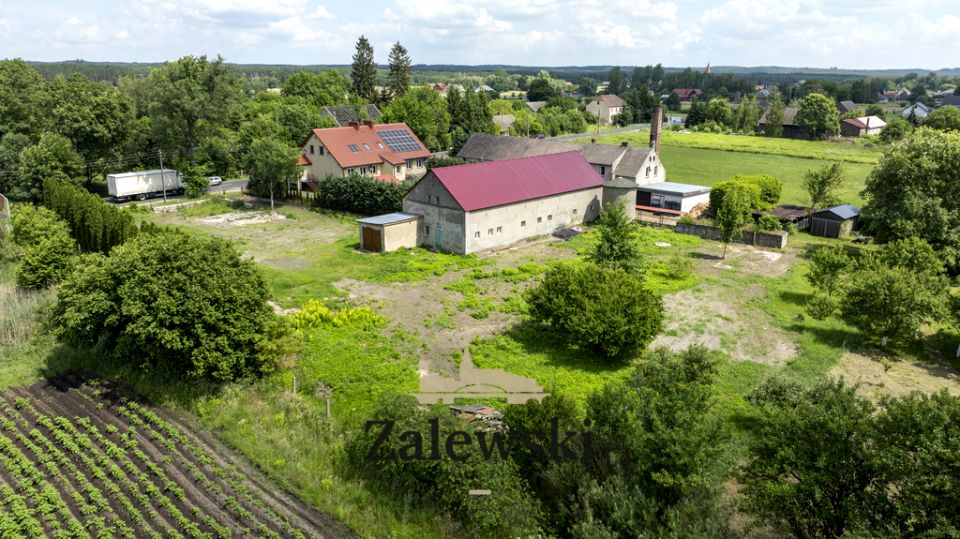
96 225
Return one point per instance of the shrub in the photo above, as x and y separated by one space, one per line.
361 194
608 310
821 307
33 223
720 190
187 305
679 266
768 222
767 189
46 262
618 246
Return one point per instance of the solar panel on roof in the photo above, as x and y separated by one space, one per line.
399 140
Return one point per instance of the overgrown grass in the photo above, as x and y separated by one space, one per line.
212 205
24 341
859 151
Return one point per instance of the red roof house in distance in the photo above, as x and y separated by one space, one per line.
493 204
686 94
390 152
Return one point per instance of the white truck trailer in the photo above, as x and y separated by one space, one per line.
144 184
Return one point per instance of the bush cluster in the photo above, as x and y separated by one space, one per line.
361 194
96 225
48 250
764 190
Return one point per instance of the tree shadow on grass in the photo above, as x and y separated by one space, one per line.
538 339
796 298
153 384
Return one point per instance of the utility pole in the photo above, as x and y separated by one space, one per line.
163 180
598 116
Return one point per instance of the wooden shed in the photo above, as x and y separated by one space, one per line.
388 232
835 222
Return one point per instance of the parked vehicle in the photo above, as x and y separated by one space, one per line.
215 180
144 184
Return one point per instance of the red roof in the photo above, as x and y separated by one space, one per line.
303 161
387 178
496 183
372 149
684 93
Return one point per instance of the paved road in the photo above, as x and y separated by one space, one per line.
628 129
234 186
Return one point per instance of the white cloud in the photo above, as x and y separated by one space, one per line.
321 13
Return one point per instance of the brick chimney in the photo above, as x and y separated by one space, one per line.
368 123
355 125
656 123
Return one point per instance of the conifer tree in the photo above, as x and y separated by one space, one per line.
399 70
363 73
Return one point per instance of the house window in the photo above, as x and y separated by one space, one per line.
550 217
397 169
476 234
539 219
656 170
419 163
321 150
311 149
499 230
648 172
489 232
372 169
603 171
523 223
426 229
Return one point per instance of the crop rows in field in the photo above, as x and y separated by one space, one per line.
79 460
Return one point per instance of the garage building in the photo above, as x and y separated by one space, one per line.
388 232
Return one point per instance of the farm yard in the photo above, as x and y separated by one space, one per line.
79 459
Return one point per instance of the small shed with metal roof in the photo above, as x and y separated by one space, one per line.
680 197
835 222
388 232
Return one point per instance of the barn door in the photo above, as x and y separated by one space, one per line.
437 236
372 240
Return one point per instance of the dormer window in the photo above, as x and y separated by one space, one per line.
354 148
380 145
366 146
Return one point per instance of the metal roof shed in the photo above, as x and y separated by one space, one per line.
388 232
835 222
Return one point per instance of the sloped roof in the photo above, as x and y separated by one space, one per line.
847 106
304 160
844 212
951 100
504 121
610 100
489 184
866 122
536 105
632 162
687 92
388 219
789 116
371 148
342 115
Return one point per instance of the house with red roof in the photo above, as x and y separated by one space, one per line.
864 125
390 152
687 94
492 204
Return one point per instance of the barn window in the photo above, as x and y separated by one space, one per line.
550 217
499 229
476 234
426 229
489 232
539 219
574 211
523 223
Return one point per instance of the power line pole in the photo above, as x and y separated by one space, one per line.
163 180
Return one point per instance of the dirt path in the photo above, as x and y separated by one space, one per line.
880 375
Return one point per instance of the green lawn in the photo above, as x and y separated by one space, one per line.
707 167
852 152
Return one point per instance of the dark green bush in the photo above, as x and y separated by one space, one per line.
608 310
186 305
767 189
361 194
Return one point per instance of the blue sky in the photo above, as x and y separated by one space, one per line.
805 33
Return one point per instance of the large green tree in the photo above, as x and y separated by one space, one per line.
733 214
822 185
818 116
363 72
322 89
52 157
188 95
915 191
399 70
272 165
21 94
425 111
827 266
617 80
944 119
97 119
773 126
186 305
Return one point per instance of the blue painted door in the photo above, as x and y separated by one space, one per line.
437 236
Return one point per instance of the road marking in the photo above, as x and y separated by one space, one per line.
479 492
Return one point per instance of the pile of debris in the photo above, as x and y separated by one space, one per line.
490 419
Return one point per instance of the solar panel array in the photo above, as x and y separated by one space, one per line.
399 140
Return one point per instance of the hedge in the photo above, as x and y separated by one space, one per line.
94 224
764 191
361 194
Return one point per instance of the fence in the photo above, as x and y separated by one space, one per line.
776 239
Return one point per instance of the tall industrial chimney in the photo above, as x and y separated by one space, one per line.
656 122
